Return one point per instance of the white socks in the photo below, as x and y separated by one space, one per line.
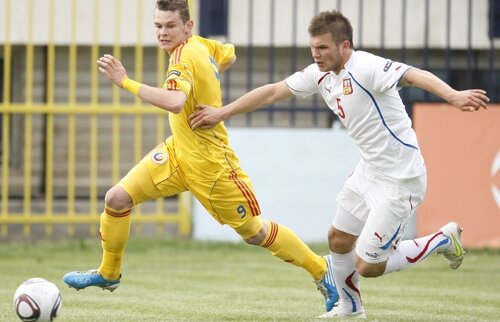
410 252
346 281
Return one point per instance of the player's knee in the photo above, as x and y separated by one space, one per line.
340 242
118 199
368 269
255 240
258 238
253 231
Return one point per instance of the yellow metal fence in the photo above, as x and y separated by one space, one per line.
59 153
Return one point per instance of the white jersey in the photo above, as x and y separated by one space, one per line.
364 95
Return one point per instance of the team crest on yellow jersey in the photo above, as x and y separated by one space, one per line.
347 85
159 157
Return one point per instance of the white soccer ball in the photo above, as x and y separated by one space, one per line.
37 300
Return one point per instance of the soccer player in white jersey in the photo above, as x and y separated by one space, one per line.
389 182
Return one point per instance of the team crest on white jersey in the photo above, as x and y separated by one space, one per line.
347 85
159 157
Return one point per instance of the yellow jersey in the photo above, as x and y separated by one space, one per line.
193 69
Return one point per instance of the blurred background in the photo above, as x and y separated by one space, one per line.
68 135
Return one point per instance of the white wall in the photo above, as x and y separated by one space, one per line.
127 21
296 173
291 171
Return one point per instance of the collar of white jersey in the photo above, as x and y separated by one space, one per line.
348 62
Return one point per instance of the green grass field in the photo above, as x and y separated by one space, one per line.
181 280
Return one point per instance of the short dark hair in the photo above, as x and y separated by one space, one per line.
333 22
175 5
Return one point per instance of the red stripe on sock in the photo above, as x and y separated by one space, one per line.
117 214
272 235
422 253
350 283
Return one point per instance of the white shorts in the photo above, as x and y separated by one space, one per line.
376 208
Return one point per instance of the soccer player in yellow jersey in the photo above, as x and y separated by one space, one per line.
200 160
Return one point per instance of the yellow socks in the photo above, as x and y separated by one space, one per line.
280 240
114 231
284 244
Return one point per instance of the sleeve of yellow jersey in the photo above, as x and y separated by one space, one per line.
180 77
221 53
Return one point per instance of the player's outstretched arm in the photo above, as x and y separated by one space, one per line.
206 117
467 100
172 101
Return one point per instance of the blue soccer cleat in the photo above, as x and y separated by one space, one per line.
81 280
327 286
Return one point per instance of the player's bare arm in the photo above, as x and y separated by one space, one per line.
207 117
172 101
467 100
